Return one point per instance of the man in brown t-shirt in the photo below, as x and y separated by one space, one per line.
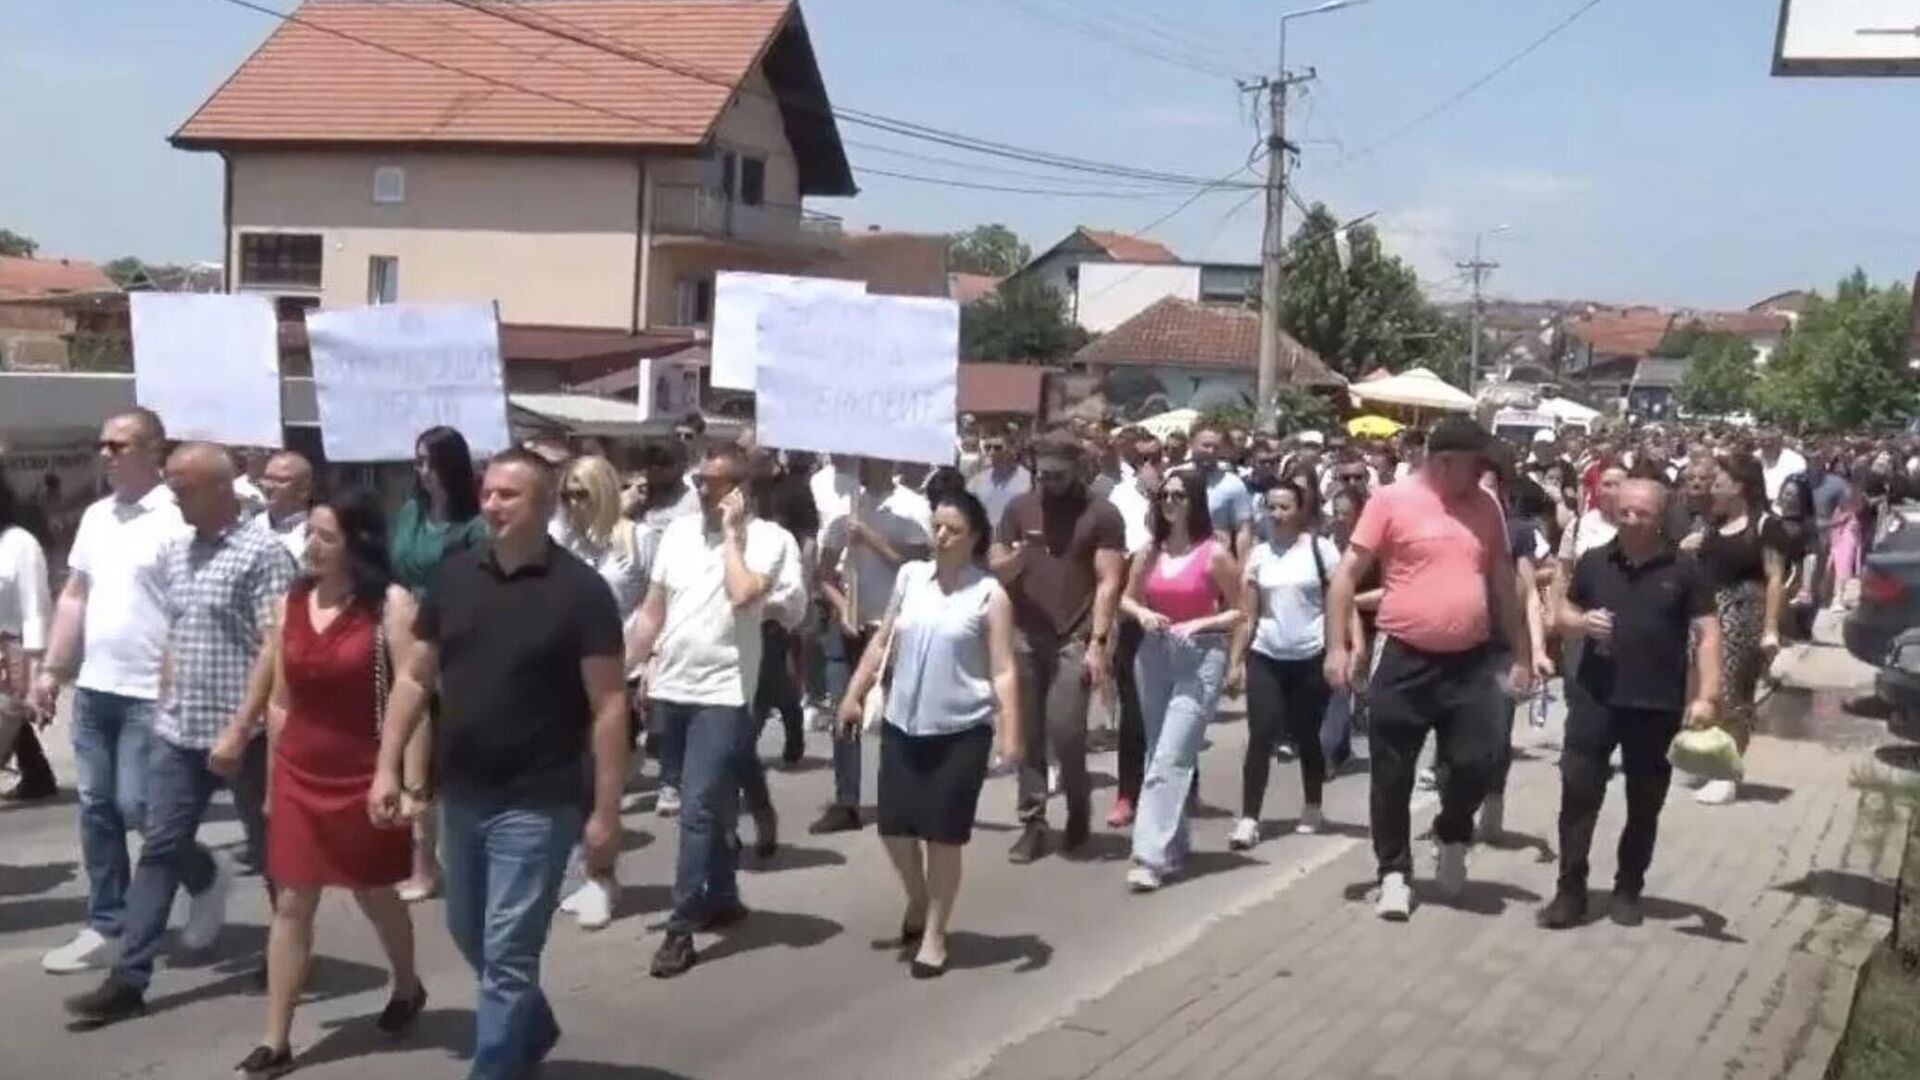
1061 553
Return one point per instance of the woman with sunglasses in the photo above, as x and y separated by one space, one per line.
591 527
1283 597
442 516
1183 591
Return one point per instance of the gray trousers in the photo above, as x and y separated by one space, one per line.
1053 715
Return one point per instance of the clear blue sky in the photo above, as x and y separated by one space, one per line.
1645 154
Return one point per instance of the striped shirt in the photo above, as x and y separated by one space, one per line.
220 593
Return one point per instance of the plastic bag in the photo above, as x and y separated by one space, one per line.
1709 753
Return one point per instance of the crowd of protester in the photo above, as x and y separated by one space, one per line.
445 697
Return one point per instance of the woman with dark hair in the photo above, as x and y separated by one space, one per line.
1794 510
442 515
342 630
1183 591
949 634
1741 554
26 607
1283 596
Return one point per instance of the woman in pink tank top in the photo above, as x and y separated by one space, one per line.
1181 591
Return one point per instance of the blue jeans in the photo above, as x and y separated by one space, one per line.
843 656
717 739
1179 686
111 740
178 789
503 866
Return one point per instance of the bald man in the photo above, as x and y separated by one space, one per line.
287 483
219 589
1637 604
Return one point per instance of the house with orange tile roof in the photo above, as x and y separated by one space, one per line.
589 165
1182 353
49 308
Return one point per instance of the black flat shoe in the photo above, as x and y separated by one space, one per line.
265 1062
400 1014
923 970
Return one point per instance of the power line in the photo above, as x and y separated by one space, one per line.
1092 27
555 26
561 99
1470 88
1065 194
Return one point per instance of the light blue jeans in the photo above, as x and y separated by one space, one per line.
112 748
504 864
1179 687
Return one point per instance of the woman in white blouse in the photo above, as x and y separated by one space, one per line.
948 637
590 525
25 606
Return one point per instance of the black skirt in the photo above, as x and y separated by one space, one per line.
930 784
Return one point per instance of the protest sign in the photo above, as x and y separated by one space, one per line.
384 374
871 375
666 389
209 364
737 299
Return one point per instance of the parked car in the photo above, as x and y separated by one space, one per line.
1884 629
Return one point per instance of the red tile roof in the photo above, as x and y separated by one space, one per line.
424 71
1635 332
1121 247
1002 388
34 278
1184 333
966 288
891 263
1745 323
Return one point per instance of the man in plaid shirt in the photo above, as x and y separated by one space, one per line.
222 587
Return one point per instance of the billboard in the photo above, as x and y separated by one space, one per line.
1848 37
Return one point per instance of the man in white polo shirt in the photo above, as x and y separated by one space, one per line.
112 608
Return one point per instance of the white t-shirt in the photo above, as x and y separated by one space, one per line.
1591 530
118 548
1293 600
25 605
833 489
1136 513
995 496
1789 463
708 651
906 521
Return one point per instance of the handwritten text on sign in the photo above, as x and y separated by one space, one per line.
209 364
870 375
384 374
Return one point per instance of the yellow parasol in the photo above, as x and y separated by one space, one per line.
1373 427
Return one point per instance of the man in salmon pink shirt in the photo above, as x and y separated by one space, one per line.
1441 543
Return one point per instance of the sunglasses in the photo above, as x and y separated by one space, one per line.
993 447
574 495
1176 495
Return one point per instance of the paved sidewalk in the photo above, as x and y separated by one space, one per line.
1759 915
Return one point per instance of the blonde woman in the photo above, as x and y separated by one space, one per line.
591 526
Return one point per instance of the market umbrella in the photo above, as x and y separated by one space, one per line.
1415 388
1165 424
1373 427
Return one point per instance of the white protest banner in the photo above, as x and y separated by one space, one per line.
872 375
667 388
384 374
737 298
209 364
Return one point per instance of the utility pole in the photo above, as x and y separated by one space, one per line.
1478 269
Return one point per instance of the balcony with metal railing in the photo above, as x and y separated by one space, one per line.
696 211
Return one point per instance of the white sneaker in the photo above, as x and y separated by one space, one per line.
90 950
1053 779
1312 820
1395 903
818 718
668 802
207 911
1493 816
1246 833
1717 793
1450 868
1143 879
591 904
1427 779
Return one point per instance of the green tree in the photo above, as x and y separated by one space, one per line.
12 243
1719 378
1301 409
1844 366
1022 320
1368 313
987 249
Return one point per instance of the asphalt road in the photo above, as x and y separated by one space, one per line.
797 991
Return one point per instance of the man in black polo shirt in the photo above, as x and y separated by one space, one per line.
1636 602
525 643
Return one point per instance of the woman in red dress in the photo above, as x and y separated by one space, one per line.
324 729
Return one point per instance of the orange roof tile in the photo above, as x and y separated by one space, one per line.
1121 247
967 288
1622 332
1185 333
497 82
35 278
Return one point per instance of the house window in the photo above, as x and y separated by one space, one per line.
753 181
389 185
293 308
383 279
279 259
693 301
